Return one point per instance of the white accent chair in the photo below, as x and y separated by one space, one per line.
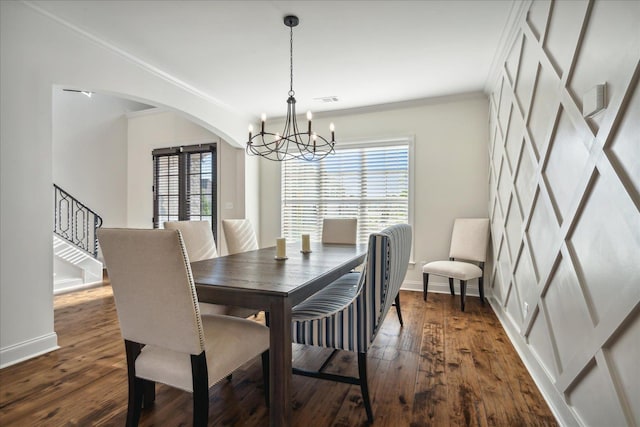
340 230
469 242
166 338
239 235
200 243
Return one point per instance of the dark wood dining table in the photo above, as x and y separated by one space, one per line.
257 280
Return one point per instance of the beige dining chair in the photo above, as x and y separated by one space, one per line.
200 244
467 255
348 314
166 338
239 235
340 230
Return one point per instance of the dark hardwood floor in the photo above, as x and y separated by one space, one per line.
444 368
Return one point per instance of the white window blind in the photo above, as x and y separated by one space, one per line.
368 182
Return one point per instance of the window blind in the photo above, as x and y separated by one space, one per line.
370 183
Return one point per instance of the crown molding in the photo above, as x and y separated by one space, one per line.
518 12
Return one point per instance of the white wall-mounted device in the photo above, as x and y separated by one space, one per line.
594 100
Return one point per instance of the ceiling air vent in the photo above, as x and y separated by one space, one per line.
326 99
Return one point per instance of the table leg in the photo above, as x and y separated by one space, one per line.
280 363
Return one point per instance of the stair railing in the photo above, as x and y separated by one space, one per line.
75 222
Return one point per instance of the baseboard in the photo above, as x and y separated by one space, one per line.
440 287
28 349
77 287
563 413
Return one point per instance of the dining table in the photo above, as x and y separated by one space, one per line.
256 279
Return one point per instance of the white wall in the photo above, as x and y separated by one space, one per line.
90 151
451 165
36 54
565 207
148 130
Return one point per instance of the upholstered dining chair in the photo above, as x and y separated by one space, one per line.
166 338
340 230
345 231
467 255
239 235
347 314
200 244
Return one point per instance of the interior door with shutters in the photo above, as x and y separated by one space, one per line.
184 184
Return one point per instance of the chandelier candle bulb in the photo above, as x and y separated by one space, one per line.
281 248
309 118
250 131
332 128
306 244
264 119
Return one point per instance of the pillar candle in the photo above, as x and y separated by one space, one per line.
306 244
281 247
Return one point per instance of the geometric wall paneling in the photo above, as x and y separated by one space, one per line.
606 245
538 16
504 111
567 318
544 106
512 62
622 150
593 406
522 276
623 354
542 235
514 139
567 157
504 186
563 31
513 230
538 339
526 179
611 46
527 74
564 205
513 305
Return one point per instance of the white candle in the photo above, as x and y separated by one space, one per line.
281 247
306 243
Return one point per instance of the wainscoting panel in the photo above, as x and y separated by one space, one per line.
565 205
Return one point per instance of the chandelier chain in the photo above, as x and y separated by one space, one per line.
291 91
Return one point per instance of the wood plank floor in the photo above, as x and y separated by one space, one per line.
444 368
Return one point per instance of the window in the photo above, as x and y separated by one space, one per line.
369 181
184 184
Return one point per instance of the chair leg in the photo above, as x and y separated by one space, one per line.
398 310
148 393
364 385
134 406
200 378
481 288
266 319
451 286
265 376
463 292
425 285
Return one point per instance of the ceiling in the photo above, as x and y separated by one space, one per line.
362 52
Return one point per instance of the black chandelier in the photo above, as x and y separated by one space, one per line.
291 143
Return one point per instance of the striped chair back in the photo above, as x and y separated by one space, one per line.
347 315
387 262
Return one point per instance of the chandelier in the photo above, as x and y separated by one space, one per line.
291 143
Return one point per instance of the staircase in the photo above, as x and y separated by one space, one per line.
75 244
